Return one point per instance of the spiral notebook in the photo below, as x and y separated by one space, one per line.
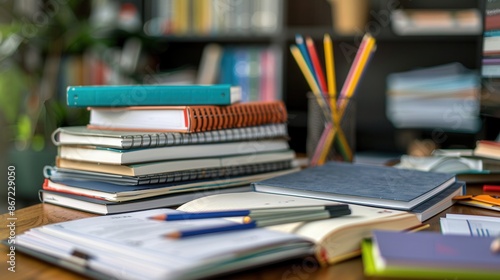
187 118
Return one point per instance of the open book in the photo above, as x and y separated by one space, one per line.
336 239
132 246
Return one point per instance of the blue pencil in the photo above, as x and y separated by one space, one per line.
249 223
188 233
251 213
301 44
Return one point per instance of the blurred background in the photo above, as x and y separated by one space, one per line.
427 81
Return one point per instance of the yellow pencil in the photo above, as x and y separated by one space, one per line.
310 79
330 74
332 91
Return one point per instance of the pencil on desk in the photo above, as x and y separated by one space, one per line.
247 212
251 224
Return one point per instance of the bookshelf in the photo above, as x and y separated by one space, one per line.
174 52
395 53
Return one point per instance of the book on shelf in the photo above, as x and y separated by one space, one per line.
130 156
120 193
336 239
177 175
156 167
201 18
152 95
81 135
105 207
429 255
418 98
379 186
187 118
134 246
436 21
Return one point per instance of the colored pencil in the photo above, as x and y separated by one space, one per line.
306 71
252 213
301 44
251 224
312 84
330 74
318 70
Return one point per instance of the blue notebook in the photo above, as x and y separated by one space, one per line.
152 95
378 186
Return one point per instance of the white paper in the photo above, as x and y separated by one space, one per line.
130 245
470 225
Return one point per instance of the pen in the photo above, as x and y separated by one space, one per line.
249 223
251 213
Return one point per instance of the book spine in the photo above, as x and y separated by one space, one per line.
212 136
204 118
214 173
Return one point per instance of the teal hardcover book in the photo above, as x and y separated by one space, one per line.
152 95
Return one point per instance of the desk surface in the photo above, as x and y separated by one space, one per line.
42 214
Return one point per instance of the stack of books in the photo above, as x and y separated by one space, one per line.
428 98
149 146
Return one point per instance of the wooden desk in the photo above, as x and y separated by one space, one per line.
299 269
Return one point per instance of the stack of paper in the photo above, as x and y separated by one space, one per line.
445 97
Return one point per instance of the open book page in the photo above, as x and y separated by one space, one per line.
339 237
131 245
470 225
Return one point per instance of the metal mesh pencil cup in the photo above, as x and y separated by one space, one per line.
316 123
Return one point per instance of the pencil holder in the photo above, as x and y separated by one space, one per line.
319 124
